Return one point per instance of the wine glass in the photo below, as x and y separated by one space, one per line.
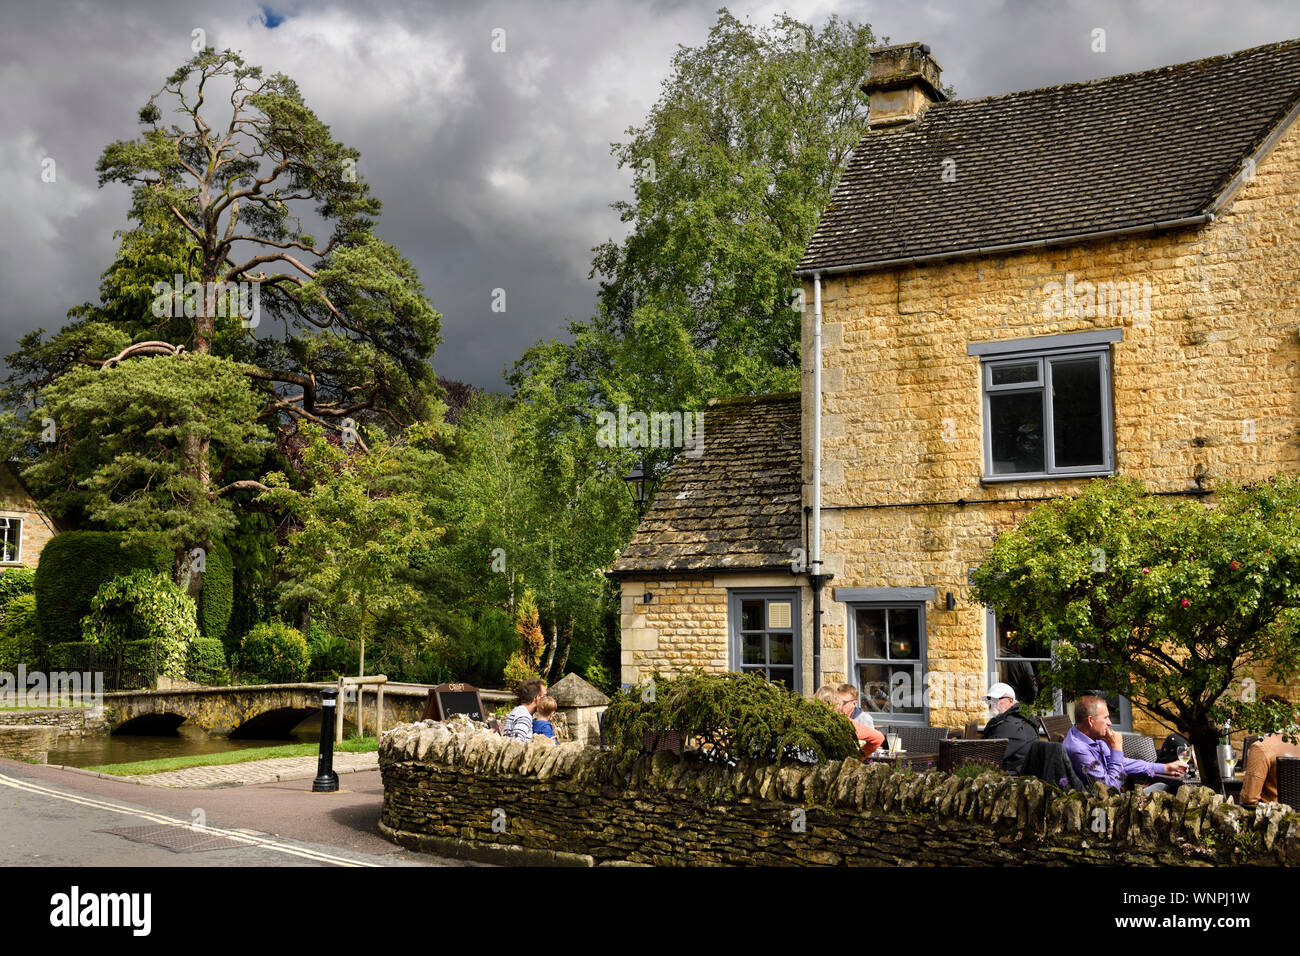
1230 761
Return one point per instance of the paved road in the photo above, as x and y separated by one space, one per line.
53 817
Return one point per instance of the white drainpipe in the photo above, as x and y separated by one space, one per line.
815 535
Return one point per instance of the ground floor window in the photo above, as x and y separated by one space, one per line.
887 654
1019 660
11 537
765 634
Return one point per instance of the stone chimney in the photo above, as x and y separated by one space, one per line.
901 84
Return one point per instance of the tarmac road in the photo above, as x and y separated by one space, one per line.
52 817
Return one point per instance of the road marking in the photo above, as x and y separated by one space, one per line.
239 836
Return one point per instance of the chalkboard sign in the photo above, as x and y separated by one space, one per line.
448 699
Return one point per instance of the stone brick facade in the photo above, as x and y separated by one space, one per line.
37 528
455 790
1204 388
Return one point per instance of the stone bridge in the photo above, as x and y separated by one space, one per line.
261 711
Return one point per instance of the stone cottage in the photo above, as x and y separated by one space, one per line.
1006 297
24 528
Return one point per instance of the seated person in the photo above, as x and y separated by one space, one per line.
542 717
869 738
1006 720
861 716
519 723
1259 783
1097 752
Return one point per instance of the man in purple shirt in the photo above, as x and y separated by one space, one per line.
1097 752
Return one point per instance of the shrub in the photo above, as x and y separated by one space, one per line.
74 656
13 582
218 595
731 716
75 564
273 653
207 662
517 671
330 653
20 641
148 607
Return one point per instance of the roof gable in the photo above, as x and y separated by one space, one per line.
737 506
1058 163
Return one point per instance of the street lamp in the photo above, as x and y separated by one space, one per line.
636 482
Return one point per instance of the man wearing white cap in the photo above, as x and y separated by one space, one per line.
1006 720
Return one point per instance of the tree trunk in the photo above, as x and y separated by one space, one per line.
564 651
1205 741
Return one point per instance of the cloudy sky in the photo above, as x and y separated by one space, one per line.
494 167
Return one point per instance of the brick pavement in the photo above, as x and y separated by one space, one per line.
253 771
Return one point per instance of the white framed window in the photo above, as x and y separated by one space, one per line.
12 541
1047 406
765 634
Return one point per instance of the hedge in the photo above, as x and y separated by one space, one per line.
74 564
13 582
207 662
20 641
273 653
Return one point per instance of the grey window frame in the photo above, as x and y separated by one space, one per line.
735 657
1045 351
18 540
851 630
1122 721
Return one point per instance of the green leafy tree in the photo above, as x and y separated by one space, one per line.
360 519
731 171
123 458
1166 601
242 198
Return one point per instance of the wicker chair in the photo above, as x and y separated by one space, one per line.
918 740
1139 747
1288 781
954 752
1055 726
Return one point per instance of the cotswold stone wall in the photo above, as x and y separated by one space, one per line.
75 721
1204 389
453 789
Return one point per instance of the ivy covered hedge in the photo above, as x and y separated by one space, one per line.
75 564
207 662
730 717
144 606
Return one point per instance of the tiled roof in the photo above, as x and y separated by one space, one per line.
737 506
1124 152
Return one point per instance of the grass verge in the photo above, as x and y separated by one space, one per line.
353 745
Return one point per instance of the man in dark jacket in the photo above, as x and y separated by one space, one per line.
1006 720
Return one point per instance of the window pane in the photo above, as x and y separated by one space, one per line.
751 615
1011 643
871 633
1013 374
781 648
1016 432
751 649
1022 675
781 675
907 692
873 679
904 624
1077 437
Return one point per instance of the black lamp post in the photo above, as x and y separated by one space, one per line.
636 482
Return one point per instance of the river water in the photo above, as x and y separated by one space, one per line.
188 739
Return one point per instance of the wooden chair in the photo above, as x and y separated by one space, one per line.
1054 726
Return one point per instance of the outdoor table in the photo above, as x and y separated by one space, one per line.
905 759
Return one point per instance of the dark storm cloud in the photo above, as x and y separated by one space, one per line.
494 167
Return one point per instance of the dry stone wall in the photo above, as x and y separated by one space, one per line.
456 789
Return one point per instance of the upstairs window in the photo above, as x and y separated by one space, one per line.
1047 408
